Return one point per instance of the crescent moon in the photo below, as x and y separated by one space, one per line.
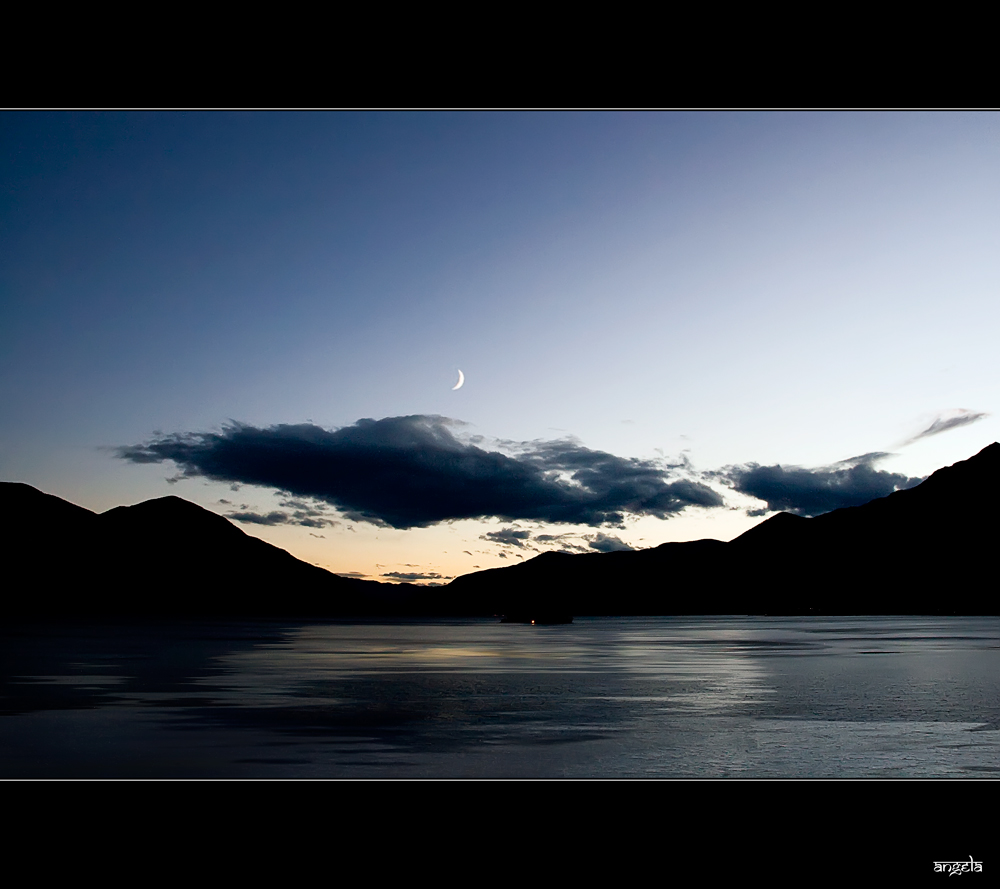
461 379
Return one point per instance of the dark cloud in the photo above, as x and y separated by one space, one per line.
307 522
508 537
606 543
524 540
307 515
568 543
257 518
949 420
416 577
301 517
292 503
409 472
810 492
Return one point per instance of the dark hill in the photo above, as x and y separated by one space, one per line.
164 558
924 550
675 578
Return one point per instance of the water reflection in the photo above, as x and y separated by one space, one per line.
701 675
681 697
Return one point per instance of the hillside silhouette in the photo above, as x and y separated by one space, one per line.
164 558
918 551
922 550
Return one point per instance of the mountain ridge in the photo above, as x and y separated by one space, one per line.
911 552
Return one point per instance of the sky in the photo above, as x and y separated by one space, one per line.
670 324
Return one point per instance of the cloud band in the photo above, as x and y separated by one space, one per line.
811 492
409 472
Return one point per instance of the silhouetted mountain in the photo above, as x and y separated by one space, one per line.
923 550
675 578
164 557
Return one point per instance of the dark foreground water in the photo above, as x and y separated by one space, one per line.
601 698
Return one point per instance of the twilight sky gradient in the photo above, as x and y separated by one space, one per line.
669 323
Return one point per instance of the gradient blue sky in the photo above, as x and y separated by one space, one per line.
788 289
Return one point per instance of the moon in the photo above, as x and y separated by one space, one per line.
461 379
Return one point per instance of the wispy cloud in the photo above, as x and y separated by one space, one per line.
425 578
259 518
302 514
522 539
952 419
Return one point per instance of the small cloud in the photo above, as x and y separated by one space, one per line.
946 420
811 492
277 517
565 542
257 518
507 537
606 543
427 579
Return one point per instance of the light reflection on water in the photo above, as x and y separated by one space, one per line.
664 697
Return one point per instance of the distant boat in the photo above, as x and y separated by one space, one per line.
539 619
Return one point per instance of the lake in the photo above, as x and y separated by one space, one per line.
764 697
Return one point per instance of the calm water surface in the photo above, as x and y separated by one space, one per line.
602 697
